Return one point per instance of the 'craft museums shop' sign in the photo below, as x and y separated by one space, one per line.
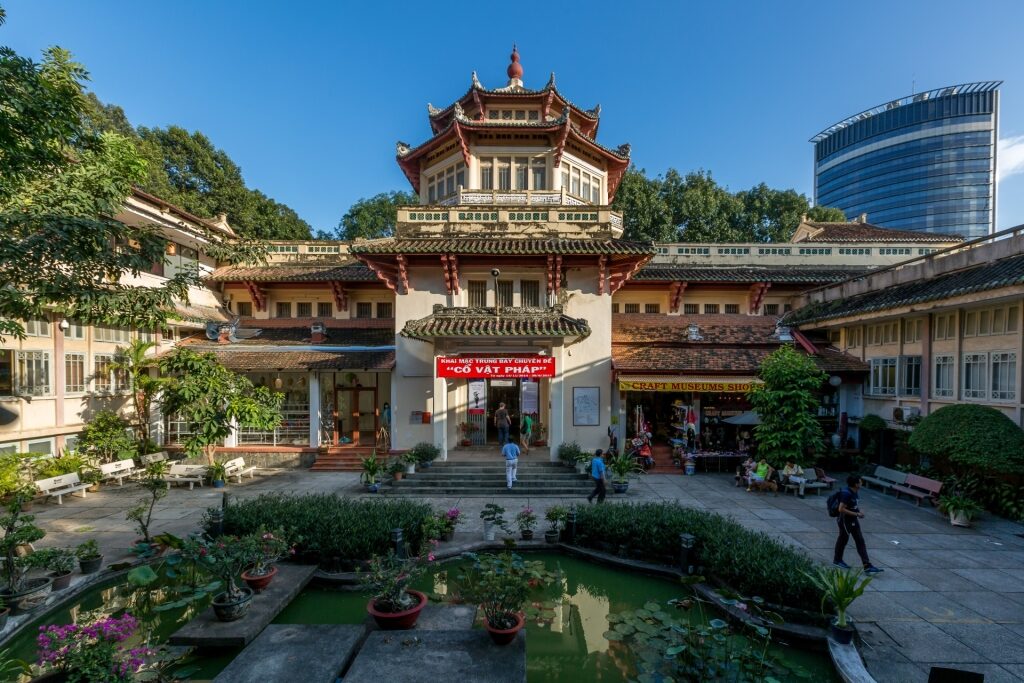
475 368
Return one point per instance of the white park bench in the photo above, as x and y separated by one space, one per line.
119 469
236 468
151 458
193 474
61 486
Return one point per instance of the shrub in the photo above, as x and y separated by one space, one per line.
977 437
749 562
570 452
424 452
106 437
337 533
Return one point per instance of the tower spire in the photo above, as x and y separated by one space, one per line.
515 69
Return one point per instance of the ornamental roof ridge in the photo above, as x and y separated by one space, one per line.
593 114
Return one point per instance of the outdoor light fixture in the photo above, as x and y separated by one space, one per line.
278 382
399 543
835 380
686 543
64 325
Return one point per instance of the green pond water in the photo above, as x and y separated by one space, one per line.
565 632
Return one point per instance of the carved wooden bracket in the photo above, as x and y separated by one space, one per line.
560 145
602 273
340 295
450 267
675 299
403 272
756 295
258 295
622 271
386 272
463 143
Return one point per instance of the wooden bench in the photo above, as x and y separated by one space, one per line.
829 481
885 478
61 486
236 468
811 483
180 474
160 456
920 488
119 469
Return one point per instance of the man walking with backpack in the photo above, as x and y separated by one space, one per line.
844 505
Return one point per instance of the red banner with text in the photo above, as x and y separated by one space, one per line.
474 368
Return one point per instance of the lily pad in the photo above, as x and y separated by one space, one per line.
625 629
652 606
674 650
717 623
612 635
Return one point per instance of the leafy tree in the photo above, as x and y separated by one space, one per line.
60 184
770 215
210 398
787 403
106 437
979 438
703 210
645 214
135 363
826 214
374 217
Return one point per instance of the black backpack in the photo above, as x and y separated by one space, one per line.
833 504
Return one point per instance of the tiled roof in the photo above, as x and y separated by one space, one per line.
865 232
484 322
200 314
1003 273
729 345
509 246
637 328
661 273
353 271
351 332
243 361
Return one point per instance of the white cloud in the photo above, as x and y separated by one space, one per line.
1011 157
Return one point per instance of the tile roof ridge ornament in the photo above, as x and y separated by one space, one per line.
432 110
551 82
515 69
402 148
476 82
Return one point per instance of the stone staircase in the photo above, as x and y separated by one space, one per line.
470 479
345 459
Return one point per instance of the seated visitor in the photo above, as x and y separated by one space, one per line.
743 471
794 474
759 473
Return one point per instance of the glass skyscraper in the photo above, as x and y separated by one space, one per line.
924 162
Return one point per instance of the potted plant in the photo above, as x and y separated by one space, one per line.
960 508
410 459
218 473
526 520
142 514
498 584
434 527
540 430
265 548
393 605
425 453
396 469
494 519
467 429
93 477
96 650
839 587
59 561
89 557
556 516
225 558
623 467
21 593
373 469
569 453
451 517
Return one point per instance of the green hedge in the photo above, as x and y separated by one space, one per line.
749 562
336 533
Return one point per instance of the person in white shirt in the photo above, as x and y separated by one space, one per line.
511 452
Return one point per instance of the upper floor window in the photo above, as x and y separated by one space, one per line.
694 251
529 292
911 331
814 251
244 309
283 309
632 308
652 308
513 173
991 321
34 373
710 309
76 330
894 251
504 293
445 182
886 333
324 309
6 372
385 309
364 309
691 309
477 293
37 327
513 115
944 327
106 333
74 373
882 379
773 251
581 183
615 308
732 308
855 251
304 309
852 337
770 309
733 251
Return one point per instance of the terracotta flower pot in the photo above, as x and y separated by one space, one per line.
397 476
91 565
448 536
32 595
259 582
507 635
551 536
527 534
398 621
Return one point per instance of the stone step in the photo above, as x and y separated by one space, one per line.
485 491
405 483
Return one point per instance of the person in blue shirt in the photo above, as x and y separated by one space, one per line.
511 452
849 525
597 470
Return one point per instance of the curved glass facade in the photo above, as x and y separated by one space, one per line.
926 162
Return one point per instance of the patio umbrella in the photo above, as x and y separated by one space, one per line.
746 418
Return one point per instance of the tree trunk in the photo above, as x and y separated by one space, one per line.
211 452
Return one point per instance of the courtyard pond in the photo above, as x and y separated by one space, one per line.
585 622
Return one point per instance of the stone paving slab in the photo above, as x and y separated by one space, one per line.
432 656
207 632
286 653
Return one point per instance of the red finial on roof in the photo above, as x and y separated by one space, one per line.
515 69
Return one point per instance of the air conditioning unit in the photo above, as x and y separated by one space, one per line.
897 414
911 413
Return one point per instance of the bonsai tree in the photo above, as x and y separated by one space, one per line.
526 520
494 515
137 366
18 531
424 452
498 583
142 514
977 438
388 578
210 398
106 438
787 402
570 453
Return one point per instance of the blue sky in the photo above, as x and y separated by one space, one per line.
309 98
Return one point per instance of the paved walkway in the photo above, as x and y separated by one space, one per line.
949 596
